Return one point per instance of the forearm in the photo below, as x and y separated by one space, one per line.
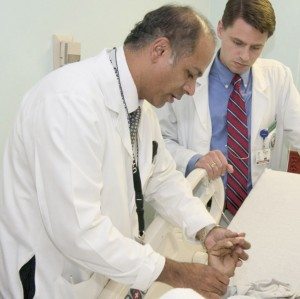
172 274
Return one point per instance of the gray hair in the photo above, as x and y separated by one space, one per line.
182 25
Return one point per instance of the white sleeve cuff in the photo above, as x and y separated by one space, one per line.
150 271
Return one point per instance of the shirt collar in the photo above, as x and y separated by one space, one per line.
128 86
225 75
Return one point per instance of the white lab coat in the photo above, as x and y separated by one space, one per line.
68 196
186 124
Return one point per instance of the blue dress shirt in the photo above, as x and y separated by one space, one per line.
220 88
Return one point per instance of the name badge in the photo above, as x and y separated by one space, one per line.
263 156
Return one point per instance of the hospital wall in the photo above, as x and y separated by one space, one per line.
26 39
27 28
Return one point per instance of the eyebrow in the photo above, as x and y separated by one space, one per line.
239 40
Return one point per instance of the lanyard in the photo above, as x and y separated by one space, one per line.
139 198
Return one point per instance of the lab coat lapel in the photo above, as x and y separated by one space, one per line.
113 100
145 146
123 130
202 122
259 103
201 102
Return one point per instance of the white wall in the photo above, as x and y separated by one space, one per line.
27 28
26 39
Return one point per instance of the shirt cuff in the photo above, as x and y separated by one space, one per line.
191 165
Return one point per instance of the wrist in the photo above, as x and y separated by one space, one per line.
202 234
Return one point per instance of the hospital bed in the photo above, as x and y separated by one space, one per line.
169 241
270 217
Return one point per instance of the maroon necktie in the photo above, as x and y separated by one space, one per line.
238 148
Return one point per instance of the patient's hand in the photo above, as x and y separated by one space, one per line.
223 256
218 234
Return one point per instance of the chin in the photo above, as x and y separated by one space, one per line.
155 102
159 102
241 69
160 105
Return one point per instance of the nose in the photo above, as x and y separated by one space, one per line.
189 87
245 54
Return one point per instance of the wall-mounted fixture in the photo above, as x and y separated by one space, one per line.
65 50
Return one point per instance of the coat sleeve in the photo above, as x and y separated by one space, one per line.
291 109
174 137
287 116
170 193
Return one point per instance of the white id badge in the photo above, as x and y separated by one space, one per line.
263 156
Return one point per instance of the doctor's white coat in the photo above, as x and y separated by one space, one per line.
68 196
186 124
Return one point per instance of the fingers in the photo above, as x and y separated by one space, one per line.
240 245
240 238
217 234
230 234
211 280
241 242
215 164
217 244
241 253
221 247
220 287
234 246
239 263
230 168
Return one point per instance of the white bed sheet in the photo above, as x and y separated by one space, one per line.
270 216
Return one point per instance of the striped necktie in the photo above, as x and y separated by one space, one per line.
134 118
238 148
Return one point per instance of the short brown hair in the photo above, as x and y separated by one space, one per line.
257 13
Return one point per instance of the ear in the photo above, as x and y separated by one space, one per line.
220 29
160 48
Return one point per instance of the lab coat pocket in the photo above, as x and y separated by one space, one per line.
89 289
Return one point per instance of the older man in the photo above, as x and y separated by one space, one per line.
76 171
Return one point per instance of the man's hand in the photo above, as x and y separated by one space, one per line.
215 164
222 256
240 244
204 279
